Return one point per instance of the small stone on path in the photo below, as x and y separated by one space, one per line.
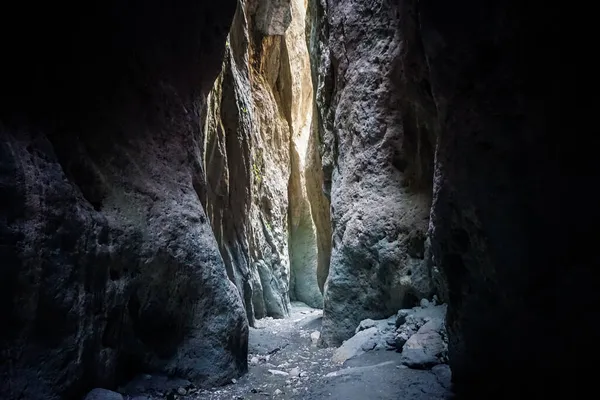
277 372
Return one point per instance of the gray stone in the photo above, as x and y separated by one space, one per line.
103 394
105 247
377 159
354 346
426 347
314 337
270 227
365 324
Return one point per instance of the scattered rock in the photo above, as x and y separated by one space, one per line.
424 303
277 372
254 360
354 346
294 372
181 391
103 394
409 321
365 324
315 336
427 347
277 392
234 381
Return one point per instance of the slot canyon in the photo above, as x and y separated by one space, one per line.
297 199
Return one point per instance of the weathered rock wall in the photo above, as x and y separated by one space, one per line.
304 240
108 265
483 84
506 182
377 157
257 132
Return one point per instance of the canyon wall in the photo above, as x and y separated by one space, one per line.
507 180
377 152
108 263
491 88
257 133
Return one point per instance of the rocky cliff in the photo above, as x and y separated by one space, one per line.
108 262
482 85
257 133
504 188
377 157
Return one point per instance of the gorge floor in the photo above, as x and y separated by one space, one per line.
284 363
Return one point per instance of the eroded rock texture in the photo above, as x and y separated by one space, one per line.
483 82
108 263
257 133
377 157
509 172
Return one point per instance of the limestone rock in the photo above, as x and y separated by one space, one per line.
365 324
304 250
103 394
356 345
427 347
257 127
277 372
109 264
503 168
314 337
377 156
247 167
409 321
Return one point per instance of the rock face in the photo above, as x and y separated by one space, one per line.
505 177
304 250
482 84
257 133
247 168
377 158
109 265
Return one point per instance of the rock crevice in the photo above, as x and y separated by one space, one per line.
260 113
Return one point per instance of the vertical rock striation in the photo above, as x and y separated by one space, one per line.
257 132
304 248
491 88
108 263
377 157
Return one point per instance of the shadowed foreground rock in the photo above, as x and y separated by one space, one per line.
515 198
108 264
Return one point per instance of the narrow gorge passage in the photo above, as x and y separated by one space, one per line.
263 193
286 363
297 199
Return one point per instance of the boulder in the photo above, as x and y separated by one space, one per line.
427 347
356 345
103 394
409 321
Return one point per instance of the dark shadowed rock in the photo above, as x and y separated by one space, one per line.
109 265
377 158
512 168
103 394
